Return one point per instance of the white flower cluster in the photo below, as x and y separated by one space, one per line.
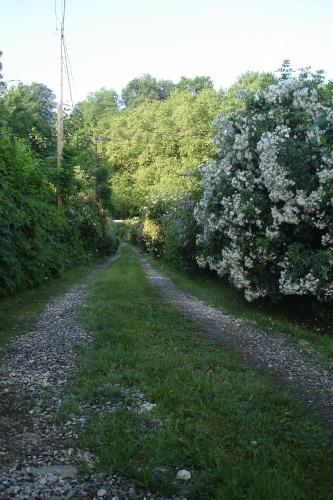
266 208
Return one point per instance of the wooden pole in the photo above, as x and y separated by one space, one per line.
60 115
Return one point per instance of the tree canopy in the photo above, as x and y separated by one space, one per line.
30 115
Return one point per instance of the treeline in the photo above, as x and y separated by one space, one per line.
37 240
156 142
262 214
259 208
239 181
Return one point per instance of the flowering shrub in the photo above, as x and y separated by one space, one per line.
266 211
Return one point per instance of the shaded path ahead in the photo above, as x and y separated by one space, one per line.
297 371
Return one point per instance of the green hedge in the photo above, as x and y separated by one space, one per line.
38 241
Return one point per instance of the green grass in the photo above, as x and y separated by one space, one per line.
238 435
19 313
274 318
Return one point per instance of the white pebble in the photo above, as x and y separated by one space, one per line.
184 475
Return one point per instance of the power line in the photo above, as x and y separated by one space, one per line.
67 69
60 114
69 63
63 13
56 14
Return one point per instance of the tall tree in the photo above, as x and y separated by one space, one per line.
195 85
146 88
155 148
250 81
31 116
86 130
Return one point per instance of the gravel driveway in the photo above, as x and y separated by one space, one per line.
34 459
296 369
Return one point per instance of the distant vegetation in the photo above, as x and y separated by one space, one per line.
258 210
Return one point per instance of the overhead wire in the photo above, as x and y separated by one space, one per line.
56 14
66 59
63 13
69 65
67 70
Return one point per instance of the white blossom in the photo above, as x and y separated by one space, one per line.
254 197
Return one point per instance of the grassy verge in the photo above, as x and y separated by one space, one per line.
239 437
273 318
20 312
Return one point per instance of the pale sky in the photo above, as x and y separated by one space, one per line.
111 42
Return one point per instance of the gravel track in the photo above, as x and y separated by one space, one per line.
34 460
296 369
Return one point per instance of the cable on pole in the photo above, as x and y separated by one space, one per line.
63 13
67 72
56 14
69 64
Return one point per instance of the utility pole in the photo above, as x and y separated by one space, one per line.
96 168
60 114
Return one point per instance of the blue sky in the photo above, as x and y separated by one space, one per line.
112 41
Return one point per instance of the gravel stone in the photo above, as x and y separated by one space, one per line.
101 493
184 475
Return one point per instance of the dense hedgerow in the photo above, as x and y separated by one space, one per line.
38 241
266 211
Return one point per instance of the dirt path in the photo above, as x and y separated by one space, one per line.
34 460
296 369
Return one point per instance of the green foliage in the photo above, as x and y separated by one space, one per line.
148 89
97 112
152 236
85 129
180 230
169 230
251 81
195 85
38 240
30 115
155 145
130 229
2 84
155 148
145 88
